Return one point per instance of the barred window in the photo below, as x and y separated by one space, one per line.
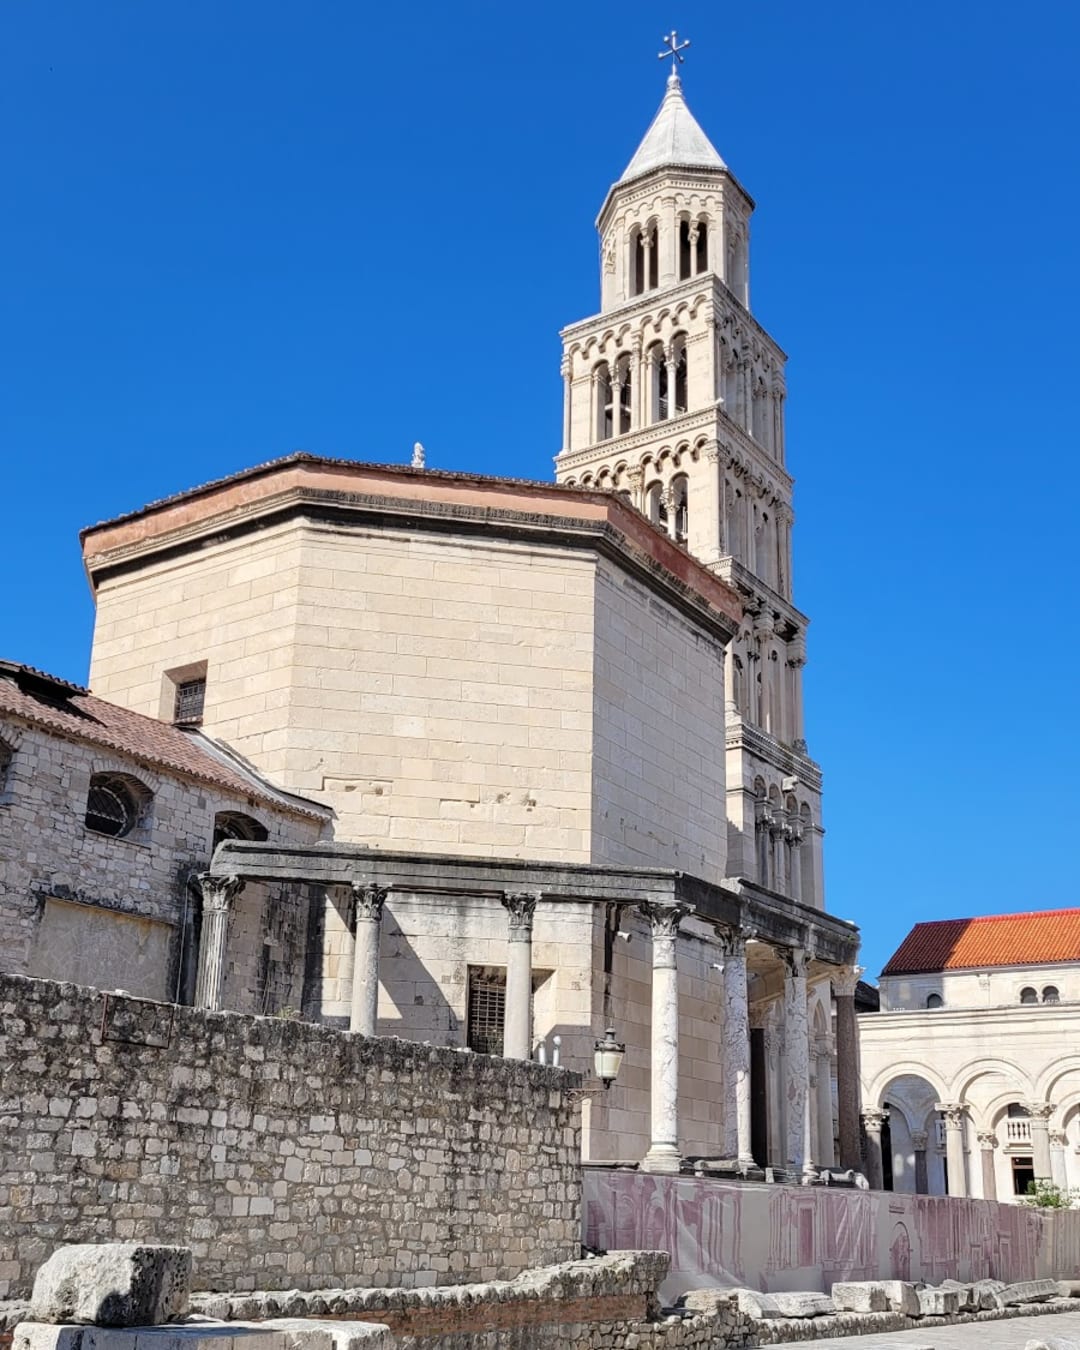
113 805
486 1009
190 697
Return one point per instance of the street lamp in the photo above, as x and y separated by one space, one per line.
608 1057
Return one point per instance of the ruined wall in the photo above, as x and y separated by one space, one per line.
118 912
282 1153
783 1237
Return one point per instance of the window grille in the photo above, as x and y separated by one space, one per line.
190 697
110 808
486 1011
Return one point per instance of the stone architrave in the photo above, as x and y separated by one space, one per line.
218 894
517 1034
366 922
844 981
954 1146
663 1154
112 1284
735 1042
874 1121
987 1144
1040 1113
919 1139
797 1041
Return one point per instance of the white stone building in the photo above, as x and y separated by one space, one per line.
558 727
971 1070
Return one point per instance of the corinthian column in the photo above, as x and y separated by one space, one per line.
797 1039
565 370
1040 1139
844 980
517 1035
735 1039
954 1146
663 1154
875 1170
1058 1143
218 894
826 1155
366 923
987 1144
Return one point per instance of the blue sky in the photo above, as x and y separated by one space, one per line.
235 230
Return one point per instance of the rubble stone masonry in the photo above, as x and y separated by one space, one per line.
282 1153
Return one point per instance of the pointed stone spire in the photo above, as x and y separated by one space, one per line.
673 140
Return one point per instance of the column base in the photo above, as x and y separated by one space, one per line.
809 1174
662 1158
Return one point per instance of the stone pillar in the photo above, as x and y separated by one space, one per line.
635 385
1040 1139
565 371
874 1122
987 1143
663 1154
847 1065
735 1034
672 366
366 923
218 894
826 1151
797 1041
922 1181
954 1146
1057 1159
517 1033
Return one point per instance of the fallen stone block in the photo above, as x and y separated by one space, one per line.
1052 1343
765 1306
938 1302
304 1333
902 1297
1069 1288
988 1293
202 1334
969 1299
1029 1291
114 1284
859 1296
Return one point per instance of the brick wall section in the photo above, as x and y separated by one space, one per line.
280 1151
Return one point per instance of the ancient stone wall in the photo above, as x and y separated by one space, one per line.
281 1152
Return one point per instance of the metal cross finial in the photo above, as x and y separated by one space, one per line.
675 48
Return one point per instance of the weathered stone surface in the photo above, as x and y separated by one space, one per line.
967 1294
117 1284
1029 1291
902 1297
1051 1343
988 1293
1069 1288
767 1306
938 1302
860 1296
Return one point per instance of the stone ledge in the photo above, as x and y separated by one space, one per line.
777 1331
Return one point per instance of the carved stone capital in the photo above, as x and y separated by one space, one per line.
1058 1138
520 906
845 978
367 903
1040 1110
919 1140
732 941
987 1139
953 1114
874 1120
796 960
218 893
664 919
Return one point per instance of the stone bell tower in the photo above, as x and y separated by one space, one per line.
674 398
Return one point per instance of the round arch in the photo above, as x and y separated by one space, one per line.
1051 1076
964 1077
904 1068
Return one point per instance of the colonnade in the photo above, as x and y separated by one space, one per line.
809 1110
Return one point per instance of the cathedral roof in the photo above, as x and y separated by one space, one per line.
1037 939
674 140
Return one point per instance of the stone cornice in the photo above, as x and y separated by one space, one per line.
748 583
602 522
743 736
665 296
686 176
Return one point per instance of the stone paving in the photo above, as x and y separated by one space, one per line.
1008 1334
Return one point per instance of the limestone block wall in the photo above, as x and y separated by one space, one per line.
117 913
658 714
284 1154
980 988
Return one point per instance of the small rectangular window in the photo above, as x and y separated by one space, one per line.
190 697
486 1010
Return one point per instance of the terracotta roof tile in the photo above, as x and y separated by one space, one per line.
1039 938
46 701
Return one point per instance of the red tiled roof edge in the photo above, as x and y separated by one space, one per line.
1032 937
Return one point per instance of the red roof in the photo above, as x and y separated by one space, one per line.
1037 939
46 701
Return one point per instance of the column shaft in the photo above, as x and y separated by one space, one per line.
847 1065
566 405
954 1147
922 1183
989 1173
735 1039
663 1154
797 1042
1040 1147
517 1032
218 894
875 1171
367 906
826 1153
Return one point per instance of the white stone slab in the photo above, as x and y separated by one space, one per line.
1029 1291
860 1296
902 1297
938 1302
115 1284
